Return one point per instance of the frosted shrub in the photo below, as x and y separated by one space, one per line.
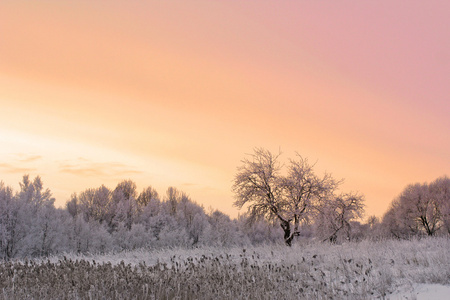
173 237
138 237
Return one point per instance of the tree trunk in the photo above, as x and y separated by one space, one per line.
333 237
426 225
287 233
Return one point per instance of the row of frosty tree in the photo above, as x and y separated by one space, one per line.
306 206
100 220
293 195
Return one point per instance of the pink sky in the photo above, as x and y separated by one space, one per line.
175 93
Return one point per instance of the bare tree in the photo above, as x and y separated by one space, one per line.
425 209
394 222
268 193
148 196
305 191
337 213
94 204
440 192
420 208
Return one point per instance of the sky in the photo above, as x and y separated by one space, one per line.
177 93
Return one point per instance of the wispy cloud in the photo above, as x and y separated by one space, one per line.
29 158
84 167
8 168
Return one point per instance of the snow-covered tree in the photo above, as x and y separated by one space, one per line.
419 209
48 233
136 237
11 229
172 198
336 215
125 202
223 231
30 224
148 197
94 204
260 231
33 192
89 237
192 217
440 192
288 198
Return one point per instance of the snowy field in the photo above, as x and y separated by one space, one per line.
417 269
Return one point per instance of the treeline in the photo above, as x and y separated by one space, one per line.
100 220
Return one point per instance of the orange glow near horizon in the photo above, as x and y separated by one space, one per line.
175 94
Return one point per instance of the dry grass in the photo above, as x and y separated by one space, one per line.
365 270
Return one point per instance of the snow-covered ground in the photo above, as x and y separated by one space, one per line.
390 269
422 292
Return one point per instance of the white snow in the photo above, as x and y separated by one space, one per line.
423 292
